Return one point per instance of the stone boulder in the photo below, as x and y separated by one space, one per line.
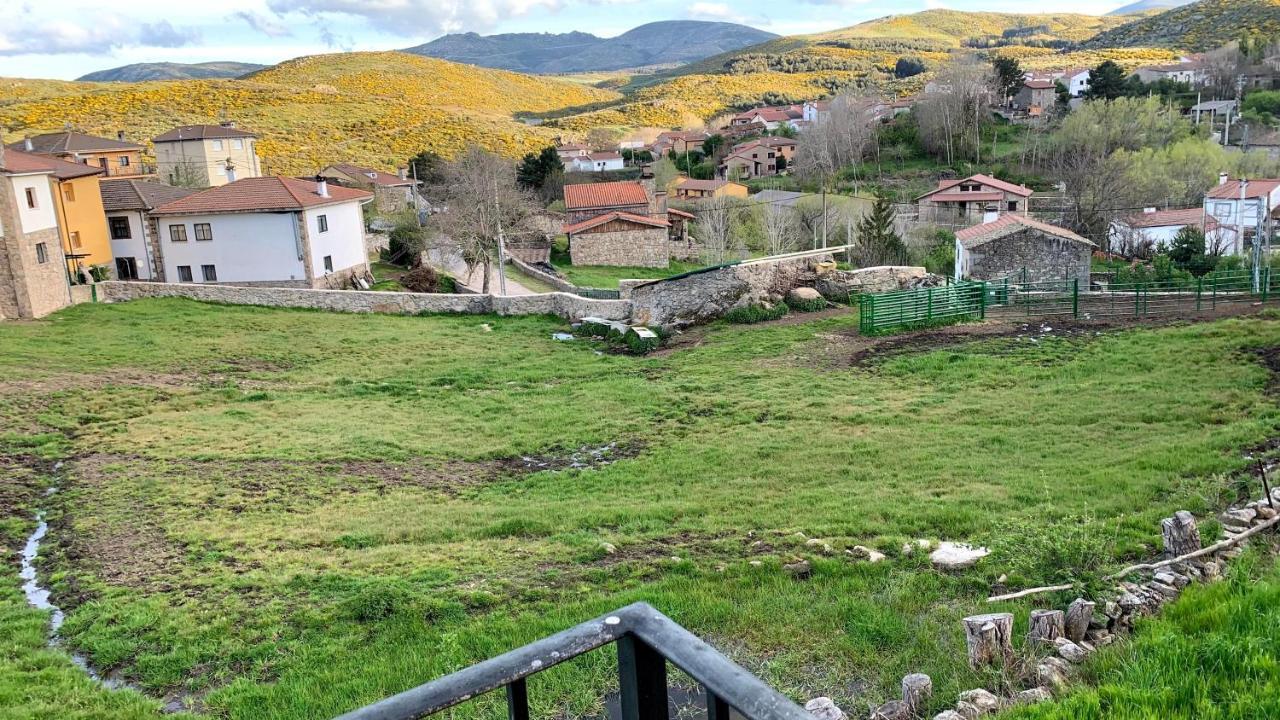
838 285
824 708
956 556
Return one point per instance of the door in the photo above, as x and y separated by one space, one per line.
126 268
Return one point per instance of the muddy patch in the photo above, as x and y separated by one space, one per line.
585 457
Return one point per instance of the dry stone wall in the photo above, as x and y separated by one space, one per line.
631 247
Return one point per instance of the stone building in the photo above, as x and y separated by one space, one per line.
33 272
392 193
1023 249
620 238
587 200
967 200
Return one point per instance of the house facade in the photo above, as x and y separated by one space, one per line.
1156 229
1020 247
134 233
966 201
597 162
679 142
274 231
33 272
621 239
1076 81
1036 97
392 193
77 208
690 189
116 158
771 118
1242 208
206 155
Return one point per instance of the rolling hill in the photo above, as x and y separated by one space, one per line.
141 72
1145 6
377 108
658 43
1199 26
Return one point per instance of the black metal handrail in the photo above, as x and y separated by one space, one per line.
646 640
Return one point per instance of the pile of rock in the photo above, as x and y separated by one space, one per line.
840 285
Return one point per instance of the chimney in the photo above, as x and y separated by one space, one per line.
403 173
322 187
120 135
27 144
990 213
1222 178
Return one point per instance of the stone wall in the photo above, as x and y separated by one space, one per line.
556 282
565 305
705 296
375 241
838 285
28 288
1044 257
633 247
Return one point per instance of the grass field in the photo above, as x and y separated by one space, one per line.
287 514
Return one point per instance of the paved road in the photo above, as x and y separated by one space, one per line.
452 264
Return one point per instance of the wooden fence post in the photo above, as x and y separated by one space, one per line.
989 638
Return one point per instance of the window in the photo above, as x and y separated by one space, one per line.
42 253
75 238
184 273
328 263
1222 209
177 233
119 228
124 161
237 144
102 163
209 272
1013 206
69 193
31 198
217 144
126 268
323 222
203 231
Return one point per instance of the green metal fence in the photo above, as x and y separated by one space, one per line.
1167 297
904 309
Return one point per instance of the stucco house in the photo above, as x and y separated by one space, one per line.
758 158
33 272
1240 206
679 142
1157 228
274 231
690 189
77 207
1076 81
1024 249
771 118
206 155
392 193
134 232
966 201
116 158
596 162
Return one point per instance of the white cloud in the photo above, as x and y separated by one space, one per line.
263 24
715 11
97 35
407 18
164 34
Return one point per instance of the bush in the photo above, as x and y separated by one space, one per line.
813 305
756 313
422 279
641 343
380 600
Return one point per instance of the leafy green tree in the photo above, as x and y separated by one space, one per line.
1263 104
907 67
1106 82
428 167
1062 98
1187 251
878 242
534 169
712 144
665 173
1008 74
780 163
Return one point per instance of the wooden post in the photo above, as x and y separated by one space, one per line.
917 688
1181 536
1046 626
989 638
1079 614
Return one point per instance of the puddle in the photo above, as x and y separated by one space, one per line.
582 458
561 336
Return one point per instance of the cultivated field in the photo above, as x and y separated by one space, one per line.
287 514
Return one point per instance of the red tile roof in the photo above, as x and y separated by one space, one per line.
61 169
972 237
262 194
1230 190
966 197
1166 218
981 180
604 195
202 132
128 194
610 217
1039 84
13 162
377 177
680 213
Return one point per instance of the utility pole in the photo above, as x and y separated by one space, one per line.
824 214
502 254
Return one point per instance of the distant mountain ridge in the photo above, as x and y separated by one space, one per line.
657 43
1198 26
1143 6
140 72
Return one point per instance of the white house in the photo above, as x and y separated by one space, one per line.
1077 82
597 162
1158 228
33 270
1240 207
276 231
128 204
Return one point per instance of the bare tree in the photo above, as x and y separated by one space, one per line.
844 138
952 117
714 228
483 201
779 223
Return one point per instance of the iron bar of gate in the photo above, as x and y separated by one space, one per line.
646 640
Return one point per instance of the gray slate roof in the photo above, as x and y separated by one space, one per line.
118 195
71 142
202 132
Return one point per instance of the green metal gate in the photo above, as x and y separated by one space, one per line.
904 309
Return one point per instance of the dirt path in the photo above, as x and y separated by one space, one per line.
452 264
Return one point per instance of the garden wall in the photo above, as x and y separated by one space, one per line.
565 305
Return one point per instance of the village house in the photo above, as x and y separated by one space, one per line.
117 158
760 157
392 193
690 189
1023 249
1187 71
617 223
588 200
134 233
1036 97
568 151
679 142
597 162
815 111
33 272
77 206
1076 81
965 201
274 231
206 155
1155 229
770 118
1242 207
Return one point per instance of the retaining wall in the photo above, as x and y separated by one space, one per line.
565 305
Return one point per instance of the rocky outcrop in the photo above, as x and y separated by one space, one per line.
840 285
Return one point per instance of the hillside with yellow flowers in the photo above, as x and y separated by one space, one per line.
373 108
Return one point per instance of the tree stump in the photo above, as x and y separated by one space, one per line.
1079 615
917 688
989 638
892 710
1046 626
1181 536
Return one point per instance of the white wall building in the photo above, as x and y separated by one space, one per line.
597 162
1077 82
128 204
265 231
1158 228
206 155
1241 216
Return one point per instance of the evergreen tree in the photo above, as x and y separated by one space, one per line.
878 243
427 167
1008 75
1106 82
534 170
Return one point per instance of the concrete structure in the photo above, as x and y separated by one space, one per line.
116 158
206 155
1242 208
1156 229
270 231
33 273
135 241
392 193
966 201
1024 249
596 162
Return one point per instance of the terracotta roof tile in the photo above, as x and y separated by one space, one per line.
977 235
120 195
982 180
610 217
604 195
1230 190
1166 218
22 162
262 194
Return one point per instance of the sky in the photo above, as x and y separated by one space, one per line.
68 38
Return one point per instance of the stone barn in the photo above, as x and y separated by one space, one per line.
1012 245
620 238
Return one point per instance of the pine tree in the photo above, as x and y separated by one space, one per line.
878 243
1106 82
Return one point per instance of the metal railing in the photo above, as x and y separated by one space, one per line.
904 309
647 640
1177 296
